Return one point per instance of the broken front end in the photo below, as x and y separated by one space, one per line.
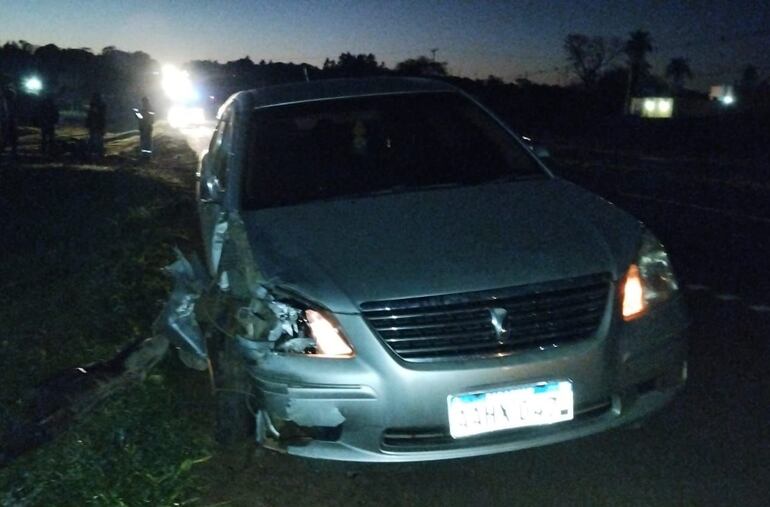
245 330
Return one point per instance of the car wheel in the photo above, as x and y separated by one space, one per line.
234 419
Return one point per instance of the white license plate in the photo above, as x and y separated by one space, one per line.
513 407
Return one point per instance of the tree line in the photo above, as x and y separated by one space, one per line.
593 60
607 70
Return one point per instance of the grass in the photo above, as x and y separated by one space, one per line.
79 279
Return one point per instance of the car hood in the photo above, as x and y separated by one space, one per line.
342 253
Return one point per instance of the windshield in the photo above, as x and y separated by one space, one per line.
388 143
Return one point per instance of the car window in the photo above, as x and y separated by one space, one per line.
346 147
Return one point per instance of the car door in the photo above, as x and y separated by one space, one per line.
213 186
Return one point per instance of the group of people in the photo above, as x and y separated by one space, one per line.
47 117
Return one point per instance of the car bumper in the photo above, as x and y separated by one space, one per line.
388 411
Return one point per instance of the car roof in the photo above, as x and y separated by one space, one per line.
340 88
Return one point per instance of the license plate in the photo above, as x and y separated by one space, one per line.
508 408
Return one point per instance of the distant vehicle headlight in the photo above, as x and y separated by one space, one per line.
183 116
649 280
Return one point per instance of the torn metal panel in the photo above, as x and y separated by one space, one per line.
254 350
238 304
287 320
314 413
297 345
178 321
257 319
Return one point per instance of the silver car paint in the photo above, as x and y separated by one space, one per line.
341 253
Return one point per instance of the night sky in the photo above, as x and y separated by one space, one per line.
508 39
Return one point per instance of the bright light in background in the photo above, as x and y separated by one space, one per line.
728 100
177 85
33 84
184 116
649 105
653 107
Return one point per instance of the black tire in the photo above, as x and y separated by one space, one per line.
234 420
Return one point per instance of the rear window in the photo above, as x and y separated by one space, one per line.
361 146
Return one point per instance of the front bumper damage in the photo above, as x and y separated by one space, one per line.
376 408
399 414
262 318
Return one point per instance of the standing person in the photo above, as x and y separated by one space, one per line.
146 117
48 118
95 123
9 134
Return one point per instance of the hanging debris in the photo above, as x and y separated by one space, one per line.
178 321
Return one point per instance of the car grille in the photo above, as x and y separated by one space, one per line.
491 323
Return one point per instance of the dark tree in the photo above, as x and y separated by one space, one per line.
421 66
494 81
678 71
589 56
350 65
638 45
749 78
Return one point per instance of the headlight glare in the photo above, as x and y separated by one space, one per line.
634 303
328 337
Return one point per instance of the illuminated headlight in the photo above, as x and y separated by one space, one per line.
183 116
329 340
649 280
307 331
177 85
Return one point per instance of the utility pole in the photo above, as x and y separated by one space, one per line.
433 52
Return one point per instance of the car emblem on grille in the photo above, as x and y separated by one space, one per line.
498 316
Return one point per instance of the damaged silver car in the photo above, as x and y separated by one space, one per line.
392 275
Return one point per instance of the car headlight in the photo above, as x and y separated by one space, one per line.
329 340
303 330
649 280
